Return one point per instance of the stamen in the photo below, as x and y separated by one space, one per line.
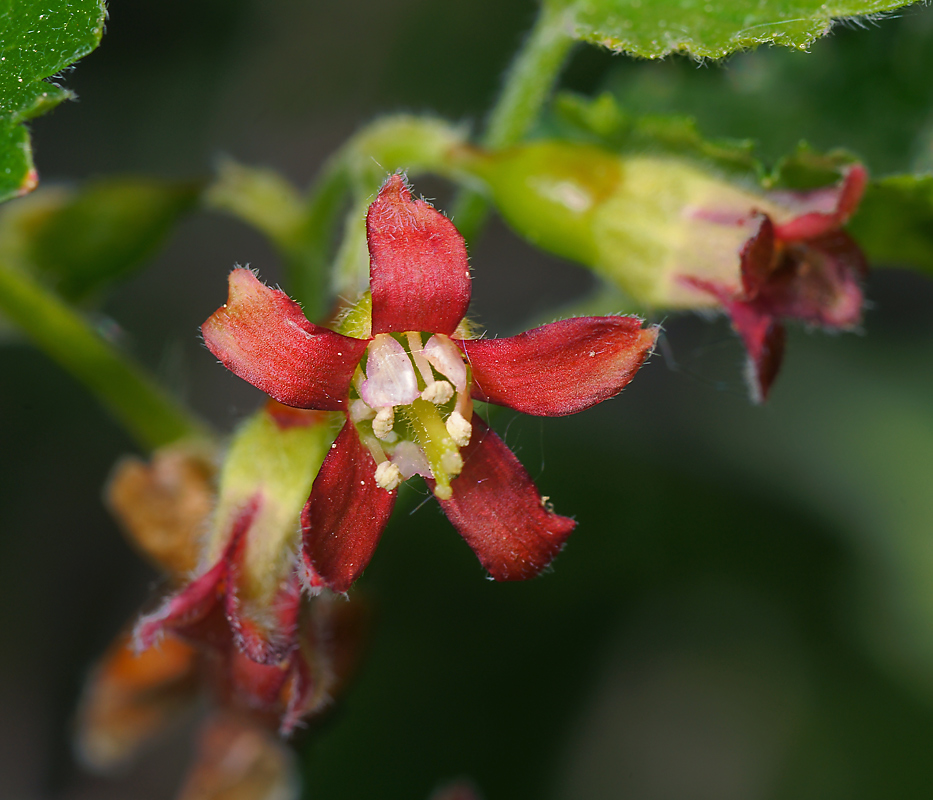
375 448
415 345
388 476
452 462
382 424
464 406
438 392
459 429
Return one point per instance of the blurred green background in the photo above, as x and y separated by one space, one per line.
746 608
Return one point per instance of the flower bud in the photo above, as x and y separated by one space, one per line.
247 582
674 235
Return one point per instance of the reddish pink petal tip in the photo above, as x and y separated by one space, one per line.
30 182
497 509
561 368
263 337
419 272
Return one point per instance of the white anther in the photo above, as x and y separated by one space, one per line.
438 392
452 463
383 422
459 429
388 476
359 411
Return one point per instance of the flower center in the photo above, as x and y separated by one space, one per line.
412 408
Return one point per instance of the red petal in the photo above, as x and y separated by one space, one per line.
299 694
345 515
853 187
254 685
263 337
419 273
498 511
817 223
561 368
189 606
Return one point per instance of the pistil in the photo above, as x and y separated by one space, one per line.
442 451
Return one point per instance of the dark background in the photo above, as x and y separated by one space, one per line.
746 608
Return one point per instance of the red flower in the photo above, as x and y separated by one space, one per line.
806 269
405 378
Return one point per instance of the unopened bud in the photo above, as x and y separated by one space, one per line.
641 221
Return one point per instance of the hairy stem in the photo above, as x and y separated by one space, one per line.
528 84
143 408
350 181
308 271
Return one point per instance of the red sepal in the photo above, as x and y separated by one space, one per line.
188 612
419 273
764 339
757 258
345 515
497 509
262 336
209 610
265 641
561 368
819 285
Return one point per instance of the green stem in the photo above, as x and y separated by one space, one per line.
528 84
138 403
356 172
308 270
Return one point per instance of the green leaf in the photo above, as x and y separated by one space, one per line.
601 121
807 169
707 28
864 89
894 224
39 39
